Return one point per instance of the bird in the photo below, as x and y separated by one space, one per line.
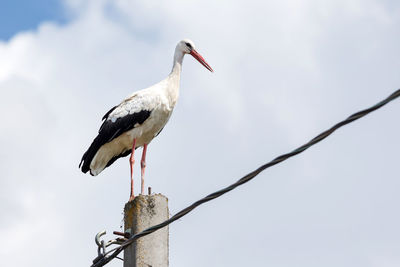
137 120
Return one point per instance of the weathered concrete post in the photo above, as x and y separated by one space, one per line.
141 213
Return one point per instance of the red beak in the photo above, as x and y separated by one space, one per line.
201 60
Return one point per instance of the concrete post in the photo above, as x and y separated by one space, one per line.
141 213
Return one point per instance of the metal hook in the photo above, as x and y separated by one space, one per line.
100 243
97 238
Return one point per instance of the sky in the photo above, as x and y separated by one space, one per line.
284 72
25 15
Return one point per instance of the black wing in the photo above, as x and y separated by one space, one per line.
110 130
108 113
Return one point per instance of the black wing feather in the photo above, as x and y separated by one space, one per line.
109 131
108 113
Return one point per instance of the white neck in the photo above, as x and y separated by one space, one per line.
177 66
174 77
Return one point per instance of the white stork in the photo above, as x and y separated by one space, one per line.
137 120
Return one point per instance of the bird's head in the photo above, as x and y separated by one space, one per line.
186 46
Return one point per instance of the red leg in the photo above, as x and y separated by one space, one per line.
143 165
132 161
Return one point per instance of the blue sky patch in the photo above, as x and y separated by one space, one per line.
22 15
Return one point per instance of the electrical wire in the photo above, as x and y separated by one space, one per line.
107 257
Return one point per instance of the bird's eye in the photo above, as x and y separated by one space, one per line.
189 45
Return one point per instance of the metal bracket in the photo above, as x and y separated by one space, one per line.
101 245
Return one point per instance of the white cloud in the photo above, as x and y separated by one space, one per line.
284 71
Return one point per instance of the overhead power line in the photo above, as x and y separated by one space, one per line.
107 257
